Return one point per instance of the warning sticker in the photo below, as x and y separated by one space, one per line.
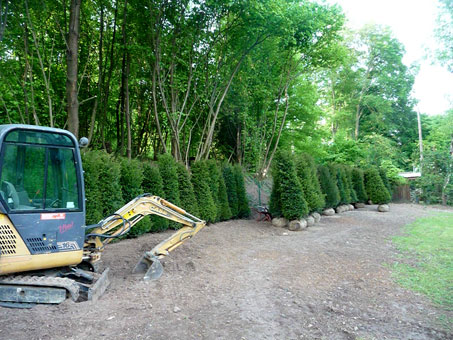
53 216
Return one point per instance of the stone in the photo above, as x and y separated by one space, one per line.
339 209
303 223
280 222
383 208
359 205
328 212
316 216
310 221
295 225
351 207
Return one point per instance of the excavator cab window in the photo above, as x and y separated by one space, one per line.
38 172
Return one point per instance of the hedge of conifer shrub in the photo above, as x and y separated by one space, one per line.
206 205
328 182
375 188
385 180
308 178
359 185
287 197
110 183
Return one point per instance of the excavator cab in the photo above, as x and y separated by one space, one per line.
42 206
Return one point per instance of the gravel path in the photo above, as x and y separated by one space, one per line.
248 280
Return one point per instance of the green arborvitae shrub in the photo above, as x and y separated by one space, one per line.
337 172
348 172
108 183
206 206
386 181
186 193
329 186
375 188
224 208
231 187
308 178
167 168
275 204
131 178
131 185
243 203
213 179
359 185
287 196
153 184
91 162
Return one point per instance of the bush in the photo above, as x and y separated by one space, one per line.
186 193
338 173
329 187
224 208
359 185
307 174
131 178
153 185
131 186
167 166
231 188
91 162
375 188
348 172
102 185
213 179
287 196
243 203
208 211
385 180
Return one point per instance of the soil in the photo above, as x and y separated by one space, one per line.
244 279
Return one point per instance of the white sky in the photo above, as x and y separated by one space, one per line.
412 23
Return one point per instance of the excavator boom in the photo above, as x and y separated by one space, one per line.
121 222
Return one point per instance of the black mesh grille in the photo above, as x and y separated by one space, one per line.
38 246
7 240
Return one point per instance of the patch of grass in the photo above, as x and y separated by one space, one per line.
427 249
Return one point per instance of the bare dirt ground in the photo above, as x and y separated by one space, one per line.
248 280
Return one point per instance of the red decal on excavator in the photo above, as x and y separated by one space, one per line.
53 216
65 227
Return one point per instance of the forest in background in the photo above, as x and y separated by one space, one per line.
229 80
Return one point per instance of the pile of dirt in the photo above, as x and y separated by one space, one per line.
249 280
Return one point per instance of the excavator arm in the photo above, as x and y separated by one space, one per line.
124 219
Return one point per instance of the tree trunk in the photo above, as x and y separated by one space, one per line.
71 59
128 113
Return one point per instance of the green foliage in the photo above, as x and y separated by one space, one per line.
231 188
206 206
348 172
328 182
213 179
359 185
375 188
167 168
224 207
131 178
243 203
131 186
342 183
186 193
287 195
107 188
308 178
385 180
428 244
153 184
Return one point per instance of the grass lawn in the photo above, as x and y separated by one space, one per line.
427 258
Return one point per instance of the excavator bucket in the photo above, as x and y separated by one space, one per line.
151 266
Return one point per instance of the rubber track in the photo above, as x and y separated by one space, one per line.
71 286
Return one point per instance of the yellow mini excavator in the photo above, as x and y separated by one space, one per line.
47 253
